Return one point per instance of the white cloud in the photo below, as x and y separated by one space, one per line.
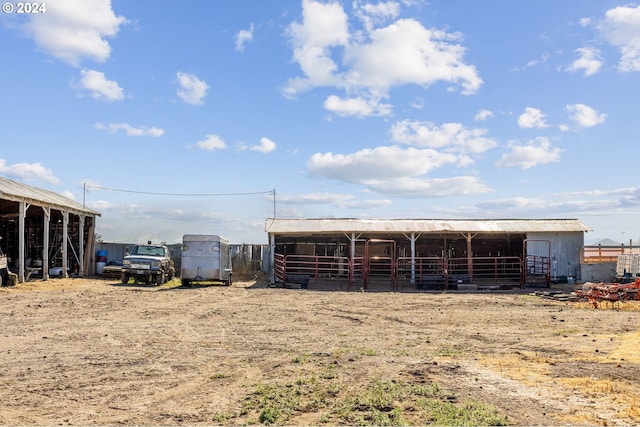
192 89
100 87
483 115
243 37
430 187
593 203
374 14
266 146
621 28
332 199
367 65
131 130
543 58
536 152
72 30
584 22
418 103
450 137
589 61
402 171
28 172
380 163
585 116
100 205
358 107
395 171
323 26
532 118
211 143
405 52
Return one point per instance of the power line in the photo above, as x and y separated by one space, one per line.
179 194
152 193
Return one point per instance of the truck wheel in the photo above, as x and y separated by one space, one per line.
160 278
172 273
185 282
124 278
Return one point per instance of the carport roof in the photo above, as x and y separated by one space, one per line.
355 225
18 192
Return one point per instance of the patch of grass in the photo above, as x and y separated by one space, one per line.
367 352
471 413
276 403
391 403
594 387
173 283
448 352
379 402
221 418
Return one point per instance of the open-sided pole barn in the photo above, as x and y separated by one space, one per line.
425 252
41 229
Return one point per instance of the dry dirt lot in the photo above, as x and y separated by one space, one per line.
97 352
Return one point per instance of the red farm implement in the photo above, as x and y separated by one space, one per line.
610 292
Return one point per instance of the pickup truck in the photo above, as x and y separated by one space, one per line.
148 263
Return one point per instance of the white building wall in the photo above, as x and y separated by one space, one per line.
564 251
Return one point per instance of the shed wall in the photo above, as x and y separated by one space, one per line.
565 252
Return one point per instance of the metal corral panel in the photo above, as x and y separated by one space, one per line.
350 225
17 192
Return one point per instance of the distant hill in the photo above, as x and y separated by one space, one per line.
607 242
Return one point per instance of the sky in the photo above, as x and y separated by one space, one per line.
208 117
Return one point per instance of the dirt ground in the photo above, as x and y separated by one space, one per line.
97 352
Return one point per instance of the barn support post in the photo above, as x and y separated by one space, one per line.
81 245
353 245
469 255
65 242
412 239
21 246
45 247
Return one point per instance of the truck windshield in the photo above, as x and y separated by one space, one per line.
148 250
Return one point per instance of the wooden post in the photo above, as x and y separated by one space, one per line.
65 242
87 268
469 255
45 246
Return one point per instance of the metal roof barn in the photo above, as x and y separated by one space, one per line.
348 225
414 251
38 227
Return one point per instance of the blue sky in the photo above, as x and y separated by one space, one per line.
182 117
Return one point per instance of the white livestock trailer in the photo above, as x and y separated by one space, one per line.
205 258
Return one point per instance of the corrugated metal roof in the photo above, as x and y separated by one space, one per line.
16 191
349 225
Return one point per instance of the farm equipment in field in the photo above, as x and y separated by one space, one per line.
610 292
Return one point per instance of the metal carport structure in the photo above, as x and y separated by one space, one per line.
27 216
415 250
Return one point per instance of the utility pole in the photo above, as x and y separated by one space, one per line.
274 203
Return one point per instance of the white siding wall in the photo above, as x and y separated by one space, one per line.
565 251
